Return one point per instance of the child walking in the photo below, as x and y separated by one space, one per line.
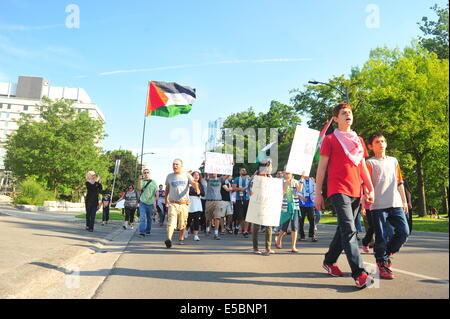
390 204
342 155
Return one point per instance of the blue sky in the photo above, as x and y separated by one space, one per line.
236 54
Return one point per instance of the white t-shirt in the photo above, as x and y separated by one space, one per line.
386 177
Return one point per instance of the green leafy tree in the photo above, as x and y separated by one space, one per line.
404 94
436 32
408 100
58 150
280 116
128 169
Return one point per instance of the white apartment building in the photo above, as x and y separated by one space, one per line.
24 97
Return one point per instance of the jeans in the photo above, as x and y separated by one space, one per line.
384 246
346 208
161 212
91 209
145 215
318 214
306 212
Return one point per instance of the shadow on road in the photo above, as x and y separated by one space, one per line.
244 278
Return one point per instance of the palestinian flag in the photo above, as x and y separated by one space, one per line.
169 99
321 137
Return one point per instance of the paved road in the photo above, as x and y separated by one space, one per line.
41 253
227 269
50 255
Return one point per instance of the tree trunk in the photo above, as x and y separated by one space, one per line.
422 207
444 200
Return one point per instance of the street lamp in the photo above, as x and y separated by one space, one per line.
333 87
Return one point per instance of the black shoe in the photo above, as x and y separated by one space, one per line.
124 227
236 231
246 235
147 233
168 243
91 229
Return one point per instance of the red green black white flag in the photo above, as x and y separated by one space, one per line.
321 137
169 99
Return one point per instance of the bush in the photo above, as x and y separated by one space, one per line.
30 192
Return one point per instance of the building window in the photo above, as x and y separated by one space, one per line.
25 107
7 115
9 106
1 105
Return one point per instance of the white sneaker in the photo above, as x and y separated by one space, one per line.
186 235
196 238
132 227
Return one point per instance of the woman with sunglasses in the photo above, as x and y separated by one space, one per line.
131 204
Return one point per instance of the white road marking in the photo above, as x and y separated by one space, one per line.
414 274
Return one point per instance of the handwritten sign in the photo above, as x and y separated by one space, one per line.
265 203
218 163
302 151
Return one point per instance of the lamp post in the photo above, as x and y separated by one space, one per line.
333 87
137 157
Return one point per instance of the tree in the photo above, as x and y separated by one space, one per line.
436 33
280 116
404 94
408 100
127 170
58 150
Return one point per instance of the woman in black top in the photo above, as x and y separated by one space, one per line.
195 207
94 188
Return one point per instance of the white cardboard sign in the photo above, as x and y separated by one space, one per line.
302 151
265 203
218 163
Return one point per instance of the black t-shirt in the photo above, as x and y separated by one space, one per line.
225 194
93 190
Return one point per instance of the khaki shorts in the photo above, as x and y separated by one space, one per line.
177 216
227 210
213 209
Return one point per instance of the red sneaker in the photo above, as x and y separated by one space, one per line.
363 281
333 270
384 270
365 249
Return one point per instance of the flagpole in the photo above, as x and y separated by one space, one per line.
145 117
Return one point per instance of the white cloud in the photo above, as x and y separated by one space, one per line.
184 66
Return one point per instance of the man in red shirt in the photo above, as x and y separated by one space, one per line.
342 155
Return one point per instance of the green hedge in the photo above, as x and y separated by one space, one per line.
30 192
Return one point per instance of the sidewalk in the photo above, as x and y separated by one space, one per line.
35 244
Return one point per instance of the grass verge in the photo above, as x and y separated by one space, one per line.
424 224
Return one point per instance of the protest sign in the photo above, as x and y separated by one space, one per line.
218 163
265 203
302 151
